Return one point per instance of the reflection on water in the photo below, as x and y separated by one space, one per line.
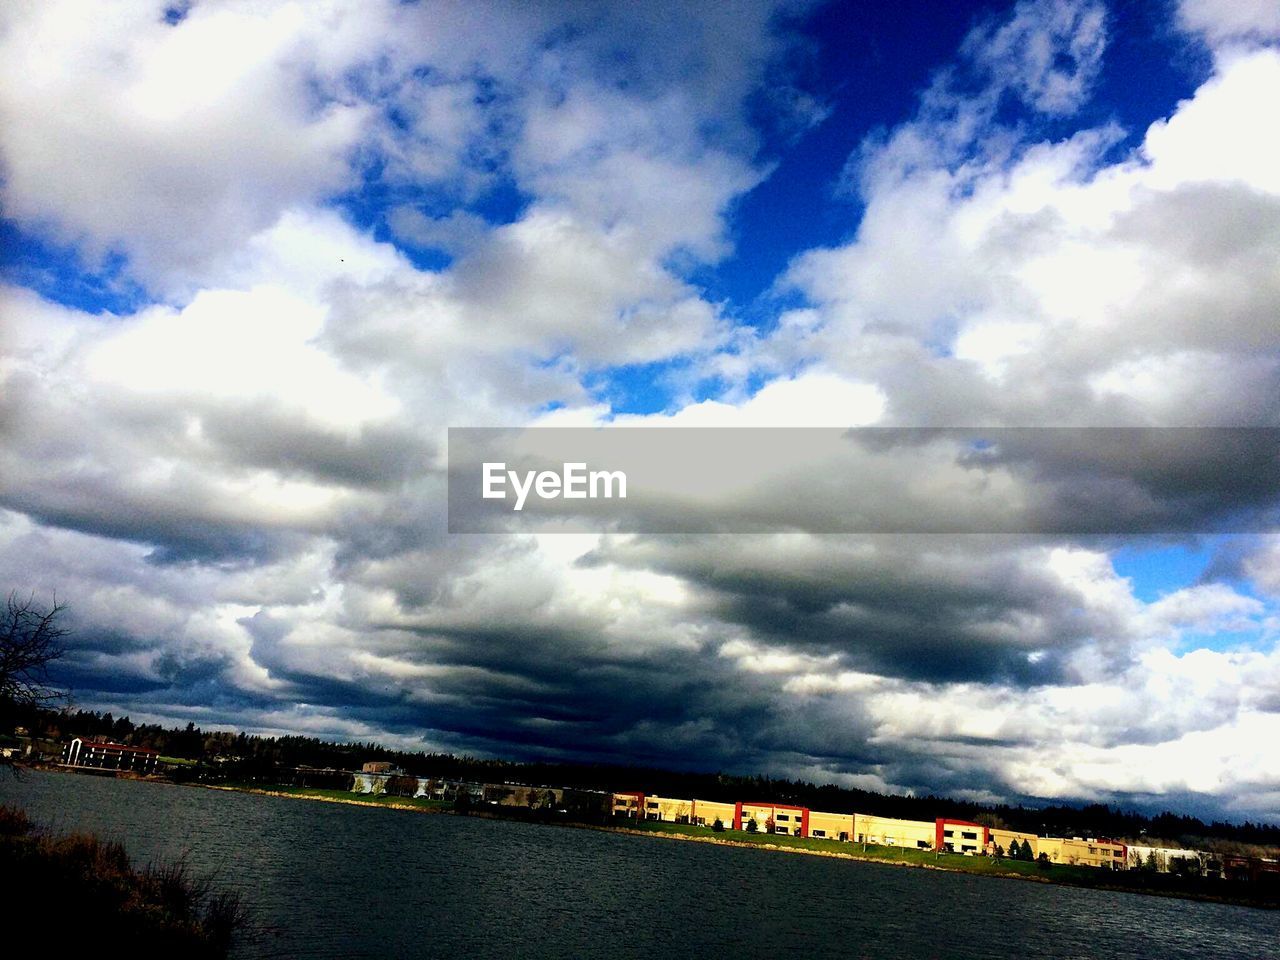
324 880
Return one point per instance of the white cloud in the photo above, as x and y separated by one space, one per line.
1055 287
173 144
1047 52
1225 21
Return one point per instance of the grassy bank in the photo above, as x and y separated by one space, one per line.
82 894
338 796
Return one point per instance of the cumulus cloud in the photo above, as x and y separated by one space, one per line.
1052 287
1226 21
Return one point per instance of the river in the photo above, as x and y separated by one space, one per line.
327 880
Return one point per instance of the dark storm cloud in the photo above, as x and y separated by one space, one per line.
375 458
945 609
173 537
537 688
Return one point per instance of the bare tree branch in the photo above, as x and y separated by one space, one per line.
30 640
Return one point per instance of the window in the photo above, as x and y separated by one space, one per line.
948 833
818 833
783 816
968 835
922 844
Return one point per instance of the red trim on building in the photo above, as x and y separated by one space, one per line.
737 815
773 809
639 801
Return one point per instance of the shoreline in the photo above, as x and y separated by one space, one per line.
1080 878
660 834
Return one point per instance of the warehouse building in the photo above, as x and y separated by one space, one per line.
830 826
668 809
707 812
779 818
629 805
1084 852
1002 842
888 832
960 836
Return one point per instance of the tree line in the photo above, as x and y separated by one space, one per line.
239 755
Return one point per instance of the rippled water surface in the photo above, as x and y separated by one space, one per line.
324 880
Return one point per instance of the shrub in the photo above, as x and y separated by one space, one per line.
161 911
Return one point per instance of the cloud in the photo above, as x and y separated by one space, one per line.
173 143
1049 286
1048 54
1226 21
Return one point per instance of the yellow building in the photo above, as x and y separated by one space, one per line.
888 832
628 805
707 812
1004 840
830 826
780 818
1084 852
668 809
961 836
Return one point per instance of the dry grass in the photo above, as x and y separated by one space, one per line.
81 892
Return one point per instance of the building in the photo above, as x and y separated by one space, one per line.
779 818
106 755
667 809
379 766
830 826
1173 860
1084 852
888 832
960 836
1002 841
629 805
707 812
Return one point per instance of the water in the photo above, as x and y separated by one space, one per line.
324 880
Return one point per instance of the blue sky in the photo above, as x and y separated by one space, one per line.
258 257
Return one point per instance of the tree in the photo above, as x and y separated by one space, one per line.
30 640
751 825
718 826
400 785
462 799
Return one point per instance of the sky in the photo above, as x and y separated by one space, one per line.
258 258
